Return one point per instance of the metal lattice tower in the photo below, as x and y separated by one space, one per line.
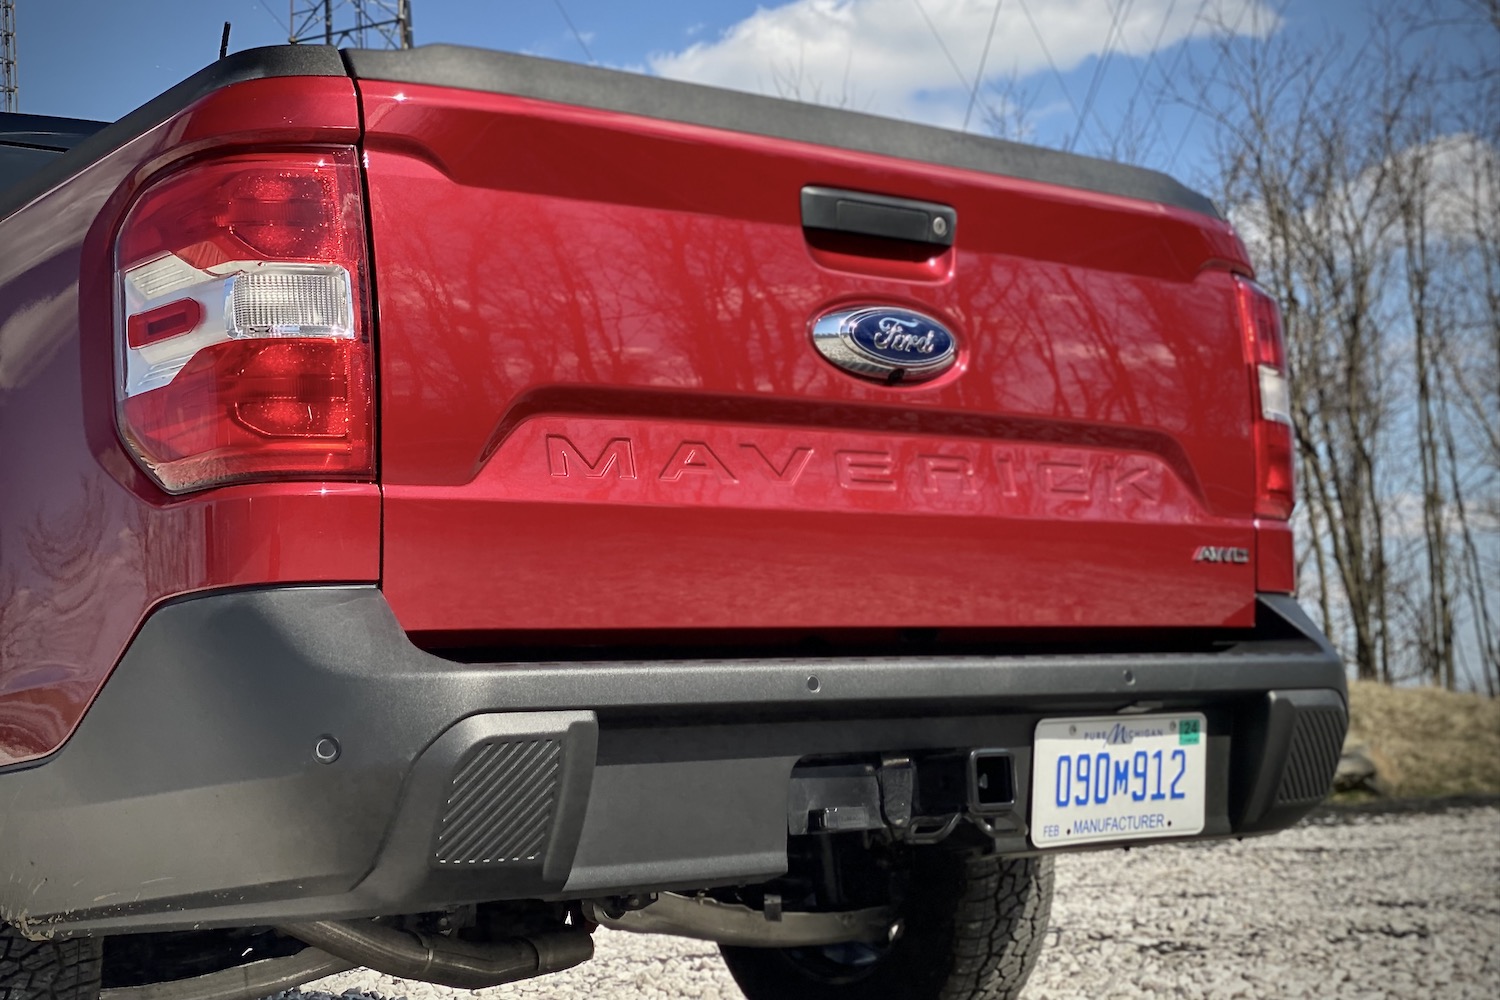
8 84
362 24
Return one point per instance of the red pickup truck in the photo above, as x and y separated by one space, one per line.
453 501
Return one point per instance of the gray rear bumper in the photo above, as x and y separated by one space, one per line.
199 789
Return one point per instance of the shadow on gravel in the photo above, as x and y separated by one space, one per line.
1335 813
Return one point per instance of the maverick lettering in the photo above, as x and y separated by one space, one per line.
999 471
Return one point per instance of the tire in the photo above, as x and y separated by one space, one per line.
973 927
48 970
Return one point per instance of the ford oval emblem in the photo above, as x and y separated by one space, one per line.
884 343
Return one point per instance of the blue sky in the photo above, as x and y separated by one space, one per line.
906 58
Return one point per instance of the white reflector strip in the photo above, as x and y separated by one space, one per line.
155 282
240 299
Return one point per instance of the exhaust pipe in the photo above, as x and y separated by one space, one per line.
446 961
708 919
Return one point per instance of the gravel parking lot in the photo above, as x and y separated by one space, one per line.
1357 905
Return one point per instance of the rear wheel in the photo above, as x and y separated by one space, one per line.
973 927
48 970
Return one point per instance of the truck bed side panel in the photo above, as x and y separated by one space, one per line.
89 544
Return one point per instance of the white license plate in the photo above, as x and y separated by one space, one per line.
1120 777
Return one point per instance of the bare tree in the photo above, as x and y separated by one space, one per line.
1344 169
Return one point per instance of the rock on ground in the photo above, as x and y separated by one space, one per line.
1346 906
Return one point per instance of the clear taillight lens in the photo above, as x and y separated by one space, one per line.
1265 351
243 345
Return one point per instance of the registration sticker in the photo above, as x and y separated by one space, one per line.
1119 777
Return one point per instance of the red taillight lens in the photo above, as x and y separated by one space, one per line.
244 349
284 216
1265 353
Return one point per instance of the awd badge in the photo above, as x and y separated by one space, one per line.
885 344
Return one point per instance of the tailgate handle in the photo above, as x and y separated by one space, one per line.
878 215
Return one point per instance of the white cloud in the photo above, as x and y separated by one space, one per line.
881 55
1463 173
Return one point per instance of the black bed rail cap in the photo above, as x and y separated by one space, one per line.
631 93
248 64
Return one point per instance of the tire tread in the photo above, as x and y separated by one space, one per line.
974 934
48 970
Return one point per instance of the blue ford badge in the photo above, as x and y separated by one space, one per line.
884 343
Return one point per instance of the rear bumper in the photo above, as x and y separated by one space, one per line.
287 754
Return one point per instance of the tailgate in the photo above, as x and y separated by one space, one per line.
602 407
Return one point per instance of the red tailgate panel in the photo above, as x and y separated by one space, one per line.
601 406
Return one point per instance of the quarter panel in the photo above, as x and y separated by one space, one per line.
87 543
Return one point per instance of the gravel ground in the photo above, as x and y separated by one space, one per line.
1366 905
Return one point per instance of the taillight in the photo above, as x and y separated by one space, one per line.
241 332
1265 351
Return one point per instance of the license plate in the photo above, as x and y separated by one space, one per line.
1120 777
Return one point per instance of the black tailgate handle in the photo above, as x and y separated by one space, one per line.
878 215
